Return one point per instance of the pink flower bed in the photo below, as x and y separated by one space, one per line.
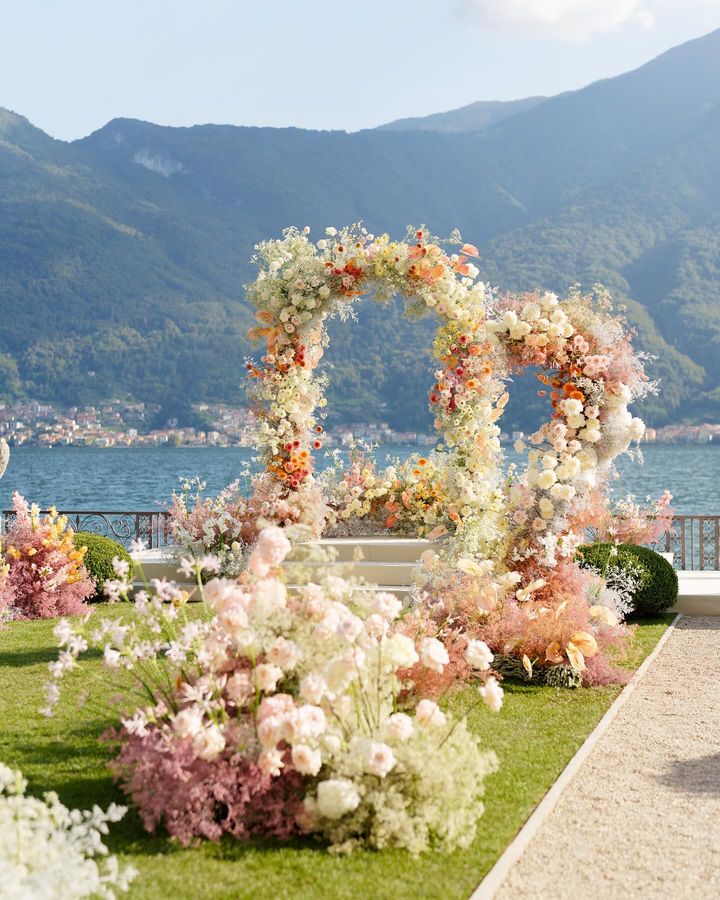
44 571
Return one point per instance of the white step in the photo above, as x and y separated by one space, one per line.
699 594
375 549
391 575
372 572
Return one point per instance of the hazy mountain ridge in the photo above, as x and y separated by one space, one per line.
474 117
124 254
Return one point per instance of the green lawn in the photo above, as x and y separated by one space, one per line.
534 736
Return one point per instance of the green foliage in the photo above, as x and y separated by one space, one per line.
99 557
657 589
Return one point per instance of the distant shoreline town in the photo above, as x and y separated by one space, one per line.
122 423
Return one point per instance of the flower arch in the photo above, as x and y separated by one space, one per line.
301 284
582 349
590 373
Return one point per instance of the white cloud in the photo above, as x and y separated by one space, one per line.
568 19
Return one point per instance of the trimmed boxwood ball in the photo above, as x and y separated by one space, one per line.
657 590
99 557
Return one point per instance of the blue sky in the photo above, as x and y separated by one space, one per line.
71 65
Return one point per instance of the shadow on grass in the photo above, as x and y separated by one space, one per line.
43 655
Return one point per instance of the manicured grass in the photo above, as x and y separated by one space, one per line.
537 732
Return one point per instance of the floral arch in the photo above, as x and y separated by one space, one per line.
301 284
580 347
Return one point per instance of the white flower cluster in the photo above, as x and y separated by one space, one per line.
50 852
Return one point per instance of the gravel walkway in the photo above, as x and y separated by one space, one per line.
641 818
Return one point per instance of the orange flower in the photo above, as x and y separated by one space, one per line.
470 250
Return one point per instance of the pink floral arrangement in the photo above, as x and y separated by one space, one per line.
626 522
278 711
45 575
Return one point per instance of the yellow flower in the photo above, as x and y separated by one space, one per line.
553 653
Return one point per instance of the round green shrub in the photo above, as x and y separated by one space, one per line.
99 557
657 589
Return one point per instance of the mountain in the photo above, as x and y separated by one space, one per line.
474 117
123 255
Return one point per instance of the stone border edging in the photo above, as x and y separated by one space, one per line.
494 879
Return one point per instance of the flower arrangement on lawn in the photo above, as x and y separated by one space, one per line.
275 712
43 574
534 603
49 851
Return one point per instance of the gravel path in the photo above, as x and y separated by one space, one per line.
641 818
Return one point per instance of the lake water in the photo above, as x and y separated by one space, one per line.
85 478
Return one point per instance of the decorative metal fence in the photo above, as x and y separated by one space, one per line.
151 527
694 541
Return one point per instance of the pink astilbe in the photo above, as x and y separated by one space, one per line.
195 798
558 617
46 576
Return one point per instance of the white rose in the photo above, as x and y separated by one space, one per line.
330 231
284 653
267 676
187 722
571 406
399 652
478 655
492 694
433 654
387 605
313 688
269 732
209 742
305 760
546 479
335 797
429 713
399 726
380 759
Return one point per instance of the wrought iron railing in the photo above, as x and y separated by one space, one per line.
694 541
151 527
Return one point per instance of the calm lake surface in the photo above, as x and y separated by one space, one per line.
86 478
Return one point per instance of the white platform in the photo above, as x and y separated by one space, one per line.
699 594
387 564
